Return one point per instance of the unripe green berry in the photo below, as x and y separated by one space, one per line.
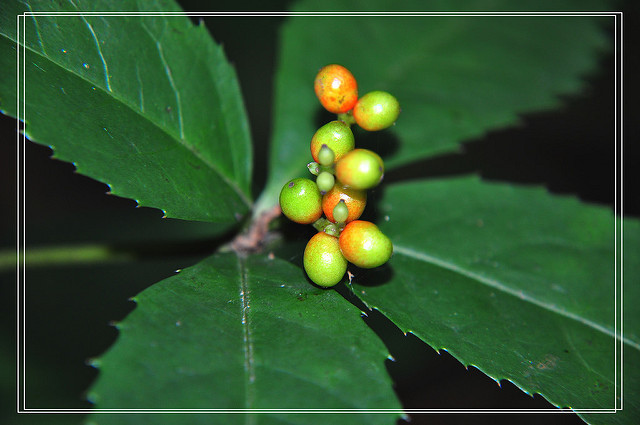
360 169
376 110
337 136
340 212
364 245
300 201
325 182
323 261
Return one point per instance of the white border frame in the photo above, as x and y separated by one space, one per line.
21 217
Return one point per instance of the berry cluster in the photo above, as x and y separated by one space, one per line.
343 175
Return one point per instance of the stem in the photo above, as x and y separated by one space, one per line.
347 118
61 255
254 238
321 223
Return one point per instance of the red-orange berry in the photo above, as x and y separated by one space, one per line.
336 88
363 244
354 199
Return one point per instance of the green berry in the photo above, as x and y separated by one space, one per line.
300 201
376 110
337 136
360 169
323 261
325 182
363 244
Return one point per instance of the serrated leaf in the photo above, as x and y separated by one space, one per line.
456 77
147 104
234 333
514 281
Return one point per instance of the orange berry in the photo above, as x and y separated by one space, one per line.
336 88
355 199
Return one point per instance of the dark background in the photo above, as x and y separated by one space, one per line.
570 151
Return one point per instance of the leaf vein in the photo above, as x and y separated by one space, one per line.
247 337
582 360
323 386
97 43
35 23
412 253
167 71
140 88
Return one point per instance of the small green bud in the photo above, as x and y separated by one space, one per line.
314 168
325 182
340 212
326 156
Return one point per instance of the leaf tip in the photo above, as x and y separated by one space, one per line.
92 398
93 362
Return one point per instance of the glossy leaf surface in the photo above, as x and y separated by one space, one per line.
147 104
233 333
514 281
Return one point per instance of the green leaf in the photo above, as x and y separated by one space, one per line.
236 333
514 281
456 77
147 104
